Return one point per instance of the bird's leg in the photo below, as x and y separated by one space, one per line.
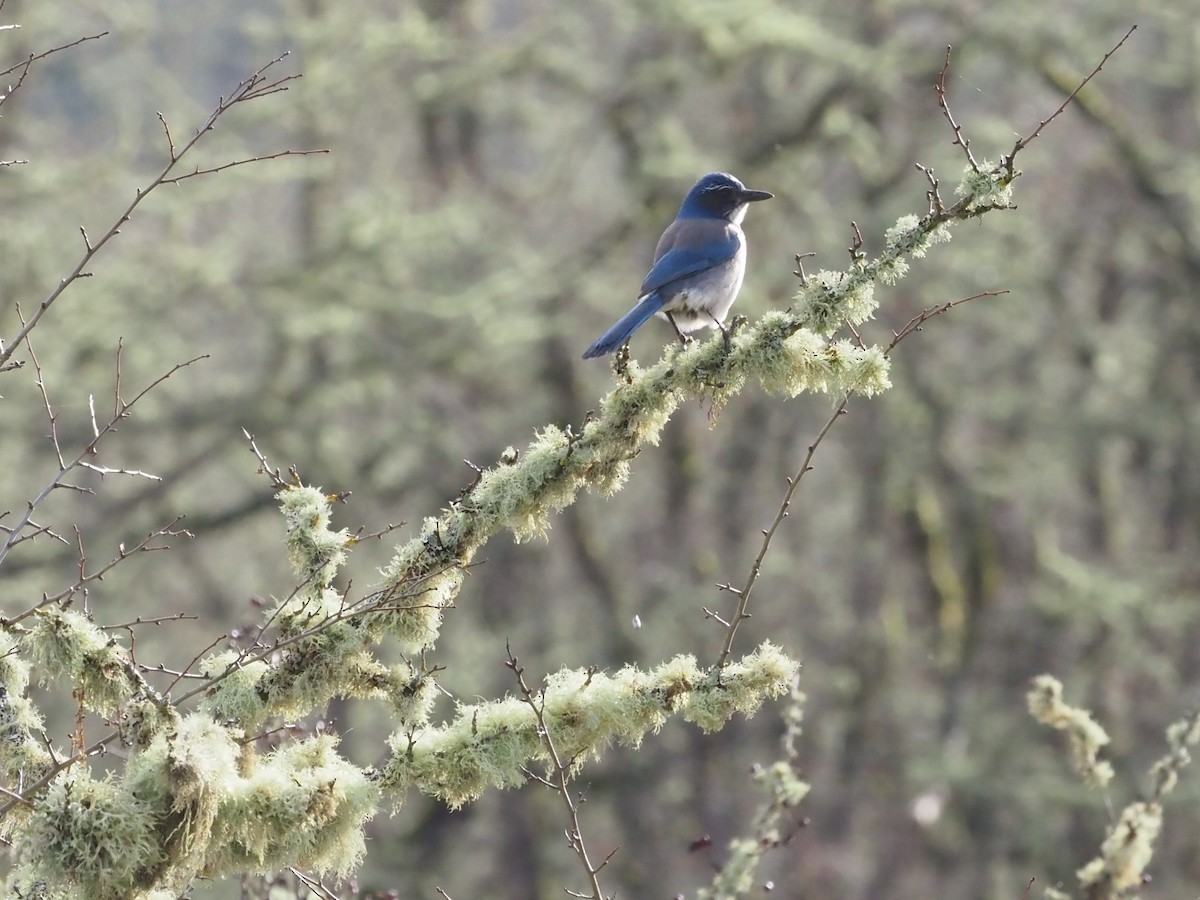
726 333
683 338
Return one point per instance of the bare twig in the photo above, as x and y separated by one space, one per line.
260 84
62 764
959 140
561 785
934 195
186 671
153 620
240 162
80 460
34 57
915 323
1008 161
741 613
743 594
800 258
26 64
362 535
85 578
274 474
855 249
313 884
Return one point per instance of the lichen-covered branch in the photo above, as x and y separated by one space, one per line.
492 744
1128 847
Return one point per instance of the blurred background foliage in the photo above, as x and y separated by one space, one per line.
1026 498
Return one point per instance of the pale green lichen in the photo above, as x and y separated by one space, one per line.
985 187
1181 734
742 688
22 756
316 552
1126 851
911 237
92 835
520 497
828 300
236 697
1086 735
492 744
302 805
190 772
411 693
64 645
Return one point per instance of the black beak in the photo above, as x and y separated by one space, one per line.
749 196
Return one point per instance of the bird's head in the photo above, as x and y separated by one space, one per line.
719 196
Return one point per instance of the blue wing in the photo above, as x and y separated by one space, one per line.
687 247
690 246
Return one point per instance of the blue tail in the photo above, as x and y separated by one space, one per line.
626 325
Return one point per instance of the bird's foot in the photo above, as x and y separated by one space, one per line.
683 338
727 332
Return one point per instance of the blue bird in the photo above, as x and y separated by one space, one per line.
698 264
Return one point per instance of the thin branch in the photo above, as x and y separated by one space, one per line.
743 594
313 884
241 162
741 613
65 468
61 765
959 140
26 65
561 782
915 323
362 535
35 530
264 468
85 578
153 620
1022 143
15 797
257 85
186 671
31 59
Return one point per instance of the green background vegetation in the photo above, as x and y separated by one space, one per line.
1025 499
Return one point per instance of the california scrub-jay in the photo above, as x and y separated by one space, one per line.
698 263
